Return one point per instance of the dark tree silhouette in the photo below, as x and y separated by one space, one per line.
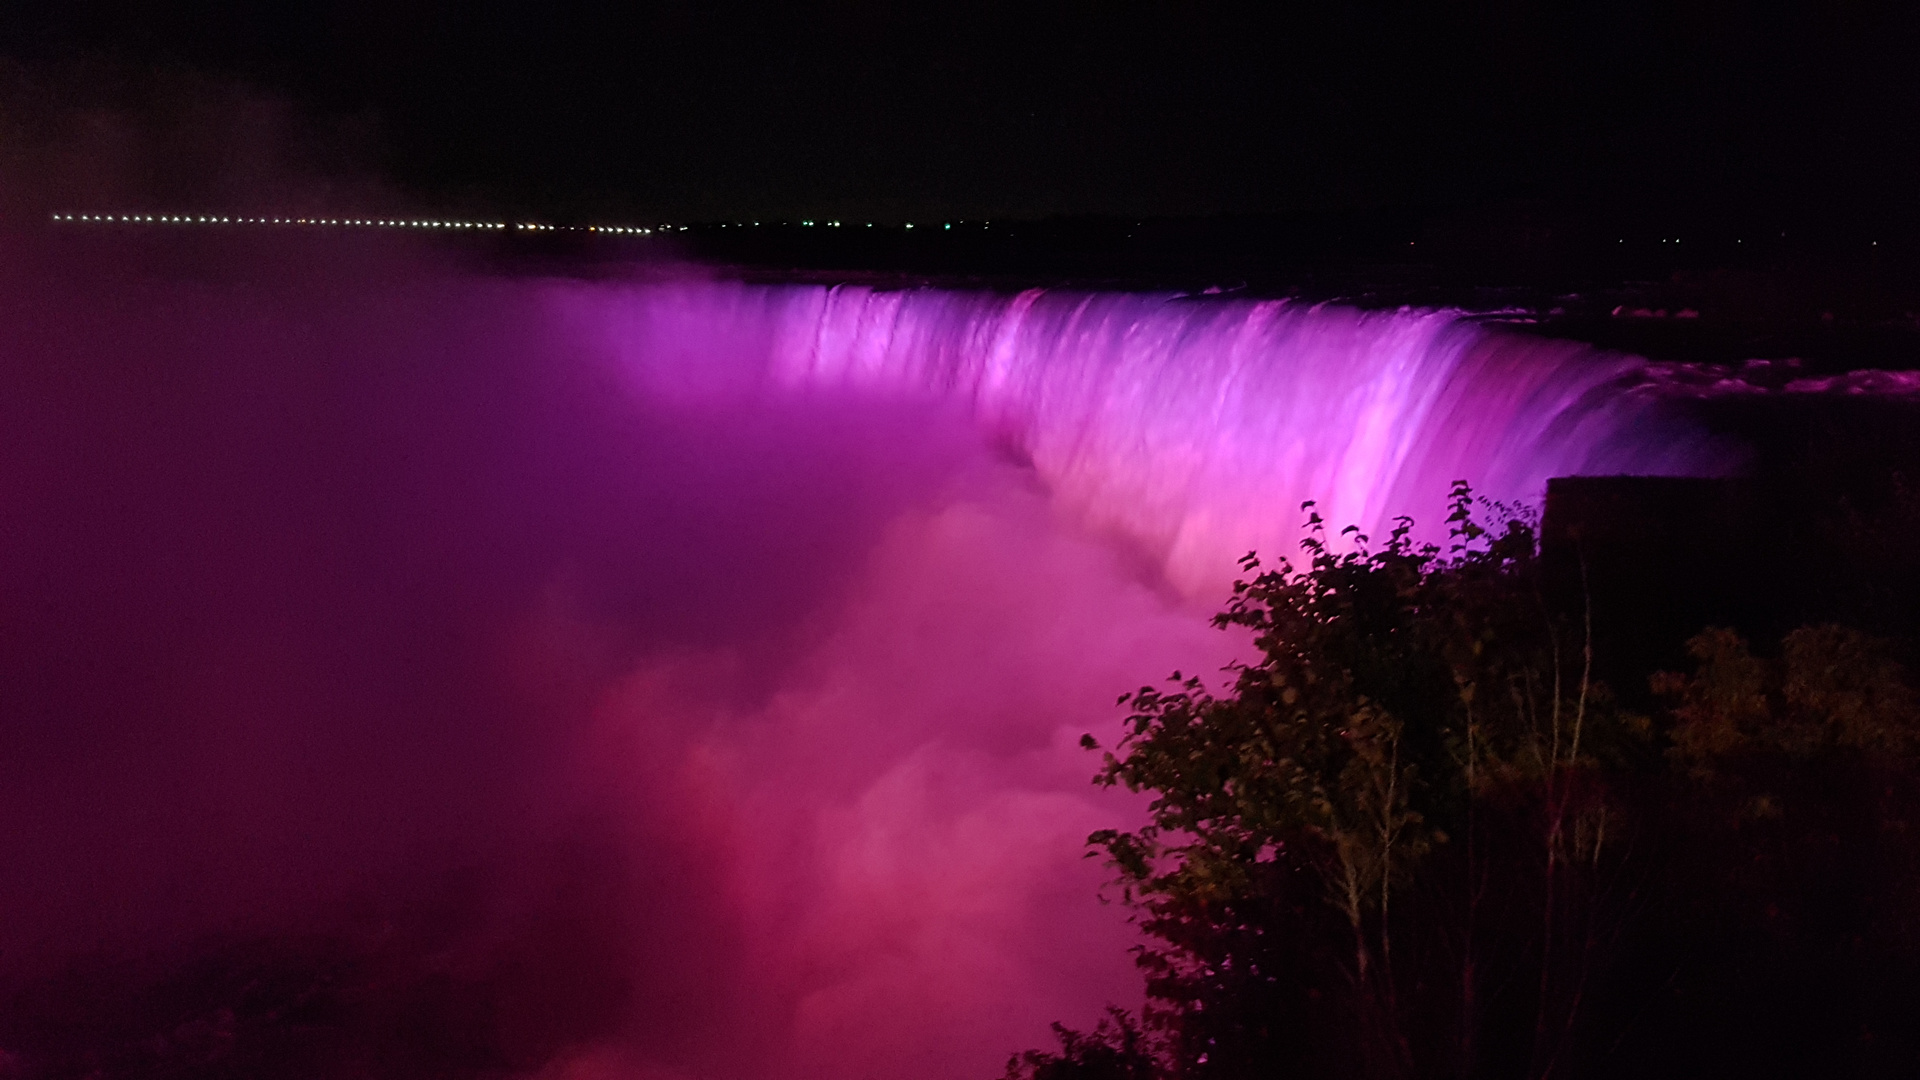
1415 836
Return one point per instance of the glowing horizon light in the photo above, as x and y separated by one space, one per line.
385 223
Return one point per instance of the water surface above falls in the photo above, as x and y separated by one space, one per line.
1192 427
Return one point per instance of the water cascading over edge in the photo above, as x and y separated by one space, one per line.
1192 426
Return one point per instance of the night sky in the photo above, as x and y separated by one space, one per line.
891 111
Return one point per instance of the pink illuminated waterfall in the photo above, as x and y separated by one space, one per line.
1194 427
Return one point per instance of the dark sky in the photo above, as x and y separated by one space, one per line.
709 109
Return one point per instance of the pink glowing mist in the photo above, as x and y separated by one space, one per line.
679 679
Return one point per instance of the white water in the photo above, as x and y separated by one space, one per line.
1192 427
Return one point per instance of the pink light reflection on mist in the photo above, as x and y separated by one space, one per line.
902 824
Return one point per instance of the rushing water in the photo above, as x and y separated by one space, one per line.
1194 427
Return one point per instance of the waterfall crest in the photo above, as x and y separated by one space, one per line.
1193 426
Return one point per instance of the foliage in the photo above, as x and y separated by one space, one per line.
1415 836
1116 1049
1396 690
1832 689
1794 884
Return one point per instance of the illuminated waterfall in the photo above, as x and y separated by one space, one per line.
1193 426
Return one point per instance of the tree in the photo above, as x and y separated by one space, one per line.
1794 892
1410 711
1116 1049
1414 836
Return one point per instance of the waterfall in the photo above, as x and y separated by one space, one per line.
1192 426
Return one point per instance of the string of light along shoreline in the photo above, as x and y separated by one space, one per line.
420 223
527 226
332 222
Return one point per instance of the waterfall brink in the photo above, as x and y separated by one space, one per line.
1193 426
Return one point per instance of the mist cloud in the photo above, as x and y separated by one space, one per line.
392 684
